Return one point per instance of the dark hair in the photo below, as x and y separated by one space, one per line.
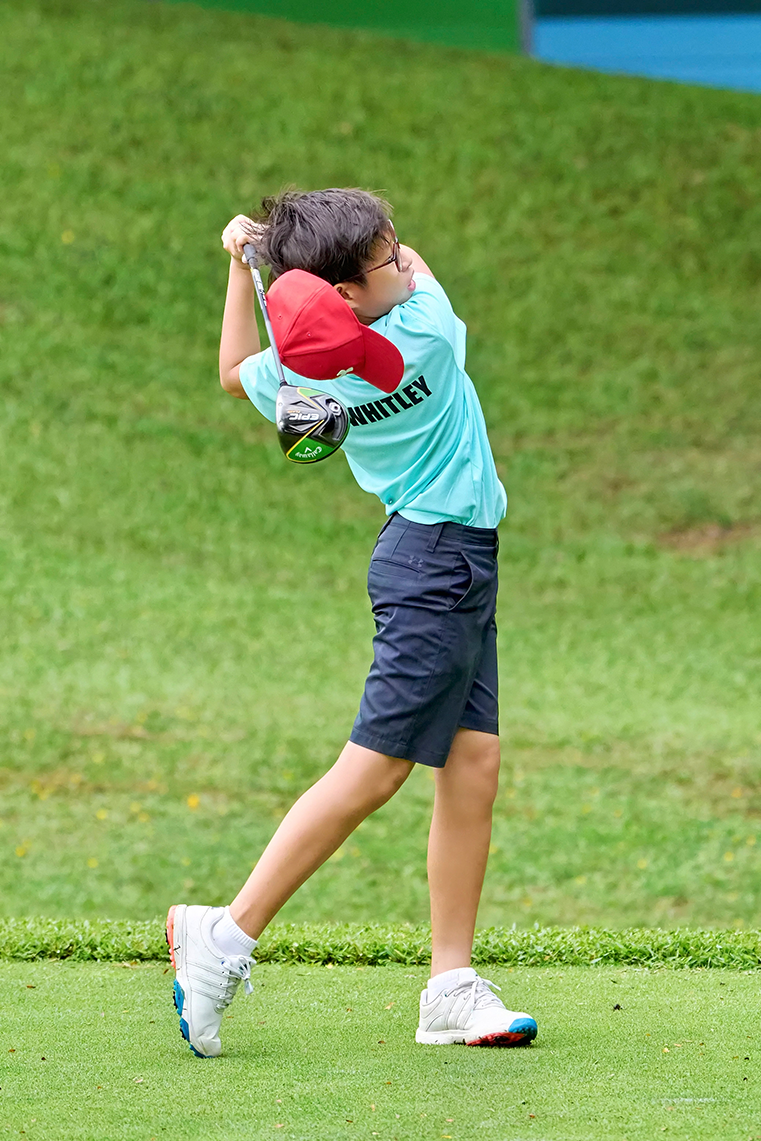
330 233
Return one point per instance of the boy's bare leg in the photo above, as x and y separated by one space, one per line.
458 845
318 823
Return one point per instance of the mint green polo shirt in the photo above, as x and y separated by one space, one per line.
423 449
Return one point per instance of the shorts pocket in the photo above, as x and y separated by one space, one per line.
393 584
461 584
431 584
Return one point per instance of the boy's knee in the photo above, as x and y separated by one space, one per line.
381 780
488 769
394 777
477 757
369 776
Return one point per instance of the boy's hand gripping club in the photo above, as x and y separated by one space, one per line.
311 425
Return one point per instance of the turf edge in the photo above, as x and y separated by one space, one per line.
118 940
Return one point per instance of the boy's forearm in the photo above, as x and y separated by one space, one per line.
240 335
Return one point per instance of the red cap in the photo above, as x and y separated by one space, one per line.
319 337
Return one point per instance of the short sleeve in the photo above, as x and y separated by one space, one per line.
259 380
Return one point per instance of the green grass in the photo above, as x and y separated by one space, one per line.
378 944
184 628
330 1054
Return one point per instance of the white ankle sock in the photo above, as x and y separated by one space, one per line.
439 983
228 937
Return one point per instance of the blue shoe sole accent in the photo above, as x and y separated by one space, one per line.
525 1027
178 995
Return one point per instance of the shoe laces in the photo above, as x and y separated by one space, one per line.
480 994
238 968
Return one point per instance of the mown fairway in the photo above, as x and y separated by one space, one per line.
329 1054
185 631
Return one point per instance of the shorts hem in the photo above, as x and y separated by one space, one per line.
479 726
396 749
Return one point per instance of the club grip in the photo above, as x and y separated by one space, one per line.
250 254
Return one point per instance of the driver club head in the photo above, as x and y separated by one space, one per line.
311 425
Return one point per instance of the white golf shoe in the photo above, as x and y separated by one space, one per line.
206 979
468 1012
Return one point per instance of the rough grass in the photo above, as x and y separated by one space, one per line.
184 629
89 1052
377 944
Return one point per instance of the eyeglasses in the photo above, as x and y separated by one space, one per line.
396 256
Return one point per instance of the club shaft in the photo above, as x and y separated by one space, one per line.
251 258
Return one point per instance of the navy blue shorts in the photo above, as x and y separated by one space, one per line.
433 589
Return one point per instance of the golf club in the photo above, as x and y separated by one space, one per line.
311 425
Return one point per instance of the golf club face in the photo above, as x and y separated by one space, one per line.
311 425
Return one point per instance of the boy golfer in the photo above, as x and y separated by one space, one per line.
431 694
